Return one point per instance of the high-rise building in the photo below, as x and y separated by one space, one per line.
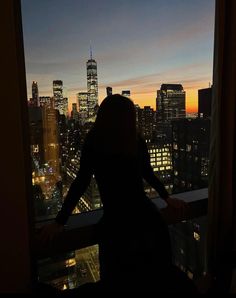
146 121
36 137
204 102
92 87
44 101
58 96
161 162
74 112
63 140
126 93
35 94
109 91
83 107
65 106
137 112
190 153
170 102
51 141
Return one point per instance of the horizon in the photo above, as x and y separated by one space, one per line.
144 46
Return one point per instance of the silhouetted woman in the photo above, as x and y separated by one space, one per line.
134 244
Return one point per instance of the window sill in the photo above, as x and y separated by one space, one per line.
80 231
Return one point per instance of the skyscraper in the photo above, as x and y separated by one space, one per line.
170 102
44 101
65 106
109 91
204 102
126 93
35 94
58 96
51 140
190 153
74 112
83 107
146 121
36 136
161 162
92 87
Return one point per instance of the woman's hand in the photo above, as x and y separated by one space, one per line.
49 232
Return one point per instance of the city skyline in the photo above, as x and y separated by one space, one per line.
138 51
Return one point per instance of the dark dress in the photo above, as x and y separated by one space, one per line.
134 244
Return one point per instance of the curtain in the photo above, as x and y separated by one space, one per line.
222 198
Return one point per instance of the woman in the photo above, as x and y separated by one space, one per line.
134 244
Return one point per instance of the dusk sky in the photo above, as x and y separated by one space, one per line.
138 45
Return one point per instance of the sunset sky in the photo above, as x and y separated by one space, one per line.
138 45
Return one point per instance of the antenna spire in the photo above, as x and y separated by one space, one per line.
91 52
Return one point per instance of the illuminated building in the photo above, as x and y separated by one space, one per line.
204 102
190 153
51 141
83 107
92 195
170 102
36 137
146 121
92 87
65 106
90 200
161 162
44 101
59 103
35 94
63 141
45 160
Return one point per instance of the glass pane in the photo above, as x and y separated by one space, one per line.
159 54
70 270
189 246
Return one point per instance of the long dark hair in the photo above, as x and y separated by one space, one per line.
115 126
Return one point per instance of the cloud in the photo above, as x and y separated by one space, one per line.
190 76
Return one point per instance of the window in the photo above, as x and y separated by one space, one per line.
162 65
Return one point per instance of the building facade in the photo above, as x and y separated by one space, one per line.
170 102
190 153
204 102
92 87
83 107
58 96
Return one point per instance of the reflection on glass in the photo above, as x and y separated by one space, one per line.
189 246
70 270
